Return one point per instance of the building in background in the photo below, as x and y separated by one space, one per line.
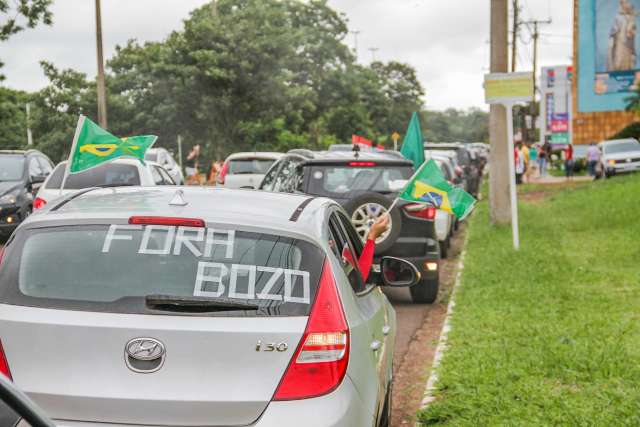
555 104
606 65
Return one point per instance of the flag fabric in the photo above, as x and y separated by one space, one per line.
413 144
93 146
357 139
428 185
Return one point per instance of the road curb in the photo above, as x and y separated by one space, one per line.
430 386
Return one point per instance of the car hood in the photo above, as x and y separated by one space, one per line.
7 186
624 155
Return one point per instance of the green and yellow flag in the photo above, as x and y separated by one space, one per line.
428 185
93 146
413 144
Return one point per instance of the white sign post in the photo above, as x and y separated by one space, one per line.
509 89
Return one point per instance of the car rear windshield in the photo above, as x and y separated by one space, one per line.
114 267
11 167
152 157
250 166
621 147
340 180
112 174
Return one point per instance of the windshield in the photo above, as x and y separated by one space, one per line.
338 181
250 166
11 167
152 157
112 174
105 264
621 147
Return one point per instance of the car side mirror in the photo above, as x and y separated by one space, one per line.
398 272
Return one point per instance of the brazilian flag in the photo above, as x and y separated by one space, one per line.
428 185
93 146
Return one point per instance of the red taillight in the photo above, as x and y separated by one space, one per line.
320 361
4 366
39 202
361 164
162 220
223 173
420 210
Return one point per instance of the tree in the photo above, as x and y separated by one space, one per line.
454 125
13 120
31 12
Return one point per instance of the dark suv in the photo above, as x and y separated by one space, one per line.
21 174
365 184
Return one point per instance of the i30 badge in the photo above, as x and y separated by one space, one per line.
144 355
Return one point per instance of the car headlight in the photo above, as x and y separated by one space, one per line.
611 162
8 199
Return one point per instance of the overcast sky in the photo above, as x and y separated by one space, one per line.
445 40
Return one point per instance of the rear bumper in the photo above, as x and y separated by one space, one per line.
340 408
621 168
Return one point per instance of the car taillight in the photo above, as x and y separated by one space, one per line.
361 164
162 220
39 202
320 361
223 173
4 366
420 210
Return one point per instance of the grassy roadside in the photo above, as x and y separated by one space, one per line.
549 335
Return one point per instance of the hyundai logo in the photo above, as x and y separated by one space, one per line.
144 354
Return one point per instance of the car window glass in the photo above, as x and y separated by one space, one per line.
55 179
340 180
34 167
155 174
249 166
45 165
106 174
11 167
269 180
166 178
283 175
293 174
346 254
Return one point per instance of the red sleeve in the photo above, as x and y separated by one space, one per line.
366 259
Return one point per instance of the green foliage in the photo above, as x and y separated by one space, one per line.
454 125
548 335
630 131
13 121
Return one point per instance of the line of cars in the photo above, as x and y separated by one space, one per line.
201 306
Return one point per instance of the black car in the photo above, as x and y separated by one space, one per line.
469 166
365 184
21 174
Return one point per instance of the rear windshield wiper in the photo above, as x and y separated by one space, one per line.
196 304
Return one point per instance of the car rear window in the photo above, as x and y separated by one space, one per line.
338 181
621 147
106 174
250 166
11 167
114 267
152 157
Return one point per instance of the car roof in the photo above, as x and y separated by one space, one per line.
243 207
265 154
19 152
619 141
338 157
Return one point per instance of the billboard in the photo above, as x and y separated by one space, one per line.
608 63
555 86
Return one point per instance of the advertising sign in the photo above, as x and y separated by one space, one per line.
560 122
500 88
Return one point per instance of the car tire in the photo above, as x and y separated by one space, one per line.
359 202
425 292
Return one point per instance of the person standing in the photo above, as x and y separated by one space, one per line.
568 161
519 162
543 158
191 165
533 160
593 157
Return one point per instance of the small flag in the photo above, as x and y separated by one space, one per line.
93 146
357 139
428 185
413 144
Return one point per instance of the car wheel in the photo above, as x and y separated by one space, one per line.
365 209
425 292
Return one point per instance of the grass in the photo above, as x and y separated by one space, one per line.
549 335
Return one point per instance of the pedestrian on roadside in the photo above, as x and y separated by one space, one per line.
518 155
216 167
568 161
593 157
544 156
531 158
191 166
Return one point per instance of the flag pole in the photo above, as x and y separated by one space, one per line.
395 201
73 149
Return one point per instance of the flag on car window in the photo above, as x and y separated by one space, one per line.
428 185
413 144
93 146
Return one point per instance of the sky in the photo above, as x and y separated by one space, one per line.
446 41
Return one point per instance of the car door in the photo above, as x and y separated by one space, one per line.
36 174
372 305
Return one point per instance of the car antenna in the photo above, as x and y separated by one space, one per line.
356 150
178 199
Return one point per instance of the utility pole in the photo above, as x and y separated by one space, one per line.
500 206
514 35
355 42
102 95
214 8
535 35
373 53
29 134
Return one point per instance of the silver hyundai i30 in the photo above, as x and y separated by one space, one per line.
197 307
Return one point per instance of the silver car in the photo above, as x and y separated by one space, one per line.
620 156
157 306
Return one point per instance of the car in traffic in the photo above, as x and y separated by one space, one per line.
365 184
246 170
185 307
117 173
620 156
164 158
472 173
21 175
